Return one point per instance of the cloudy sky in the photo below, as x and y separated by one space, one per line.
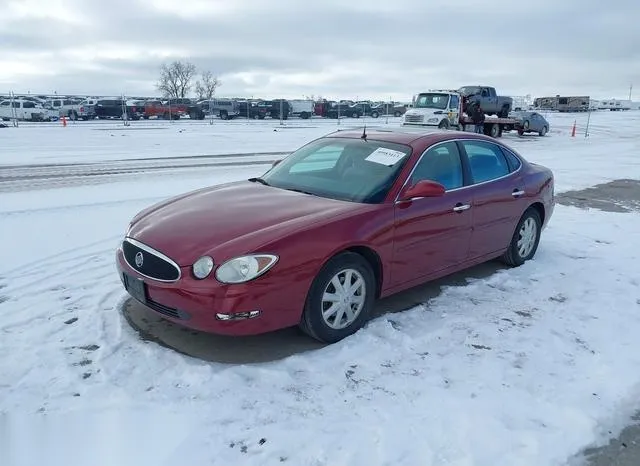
332 48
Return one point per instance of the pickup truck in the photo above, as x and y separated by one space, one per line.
21 110
489 100
164 110
64 107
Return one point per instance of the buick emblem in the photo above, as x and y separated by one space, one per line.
139 259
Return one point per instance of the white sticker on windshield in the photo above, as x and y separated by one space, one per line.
386 157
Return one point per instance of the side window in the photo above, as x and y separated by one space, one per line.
514 161
454 102
486 161
6 103
29 105
324 158
442 164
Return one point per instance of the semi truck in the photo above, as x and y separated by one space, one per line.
444 109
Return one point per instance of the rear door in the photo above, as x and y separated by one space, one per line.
433 234
498 195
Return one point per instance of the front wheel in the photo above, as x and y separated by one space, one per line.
525 240
543 131
340 300
444 124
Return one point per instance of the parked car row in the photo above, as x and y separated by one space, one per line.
227 109
48 108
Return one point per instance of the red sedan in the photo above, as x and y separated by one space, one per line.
342 221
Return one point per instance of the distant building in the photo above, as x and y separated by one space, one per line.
615 105
563 103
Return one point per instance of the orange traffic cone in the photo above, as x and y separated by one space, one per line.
64 121
573 131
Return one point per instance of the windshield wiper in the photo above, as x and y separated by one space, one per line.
259 180
296 190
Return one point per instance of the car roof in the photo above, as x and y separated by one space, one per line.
405 135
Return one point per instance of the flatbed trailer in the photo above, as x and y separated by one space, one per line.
493 126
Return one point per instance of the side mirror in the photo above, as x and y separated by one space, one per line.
423 188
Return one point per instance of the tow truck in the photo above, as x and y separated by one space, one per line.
444 108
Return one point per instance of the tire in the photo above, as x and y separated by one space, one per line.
495 130
224 116
396 114
314 324
525 125
515 255
374 114
444 124
543 131
504 113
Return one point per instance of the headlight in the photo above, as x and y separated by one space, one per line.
245 268
202 267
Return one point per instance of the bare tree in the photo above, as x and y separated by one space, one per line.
206 87
175 79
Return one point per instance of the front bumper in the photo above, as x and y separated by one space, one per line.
268 303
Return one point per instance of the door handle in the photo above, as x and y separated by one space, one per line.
517 192
461 207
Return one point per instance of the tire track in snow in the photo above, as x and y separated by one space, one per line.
30 177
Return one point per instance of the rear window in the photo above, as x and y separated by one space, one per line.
512 159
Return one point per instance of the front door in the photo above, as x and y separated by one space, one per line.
498 197
433 234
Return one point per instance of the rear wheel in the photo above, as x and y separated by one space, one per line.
525 240
495 131
340 300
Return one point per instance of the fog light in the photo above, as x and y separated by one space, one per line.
238 315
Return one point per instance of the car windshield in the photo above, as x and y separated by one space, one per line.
430 100
354 170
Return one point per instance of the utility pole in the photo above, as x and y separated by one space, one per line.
630 89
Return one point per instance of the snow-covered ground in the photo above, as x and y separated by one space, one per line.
524 367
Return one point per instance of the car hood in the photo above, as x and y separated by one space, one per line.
427 112
244 214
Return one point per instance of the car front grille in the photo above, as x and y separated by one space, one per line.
149 262
414 118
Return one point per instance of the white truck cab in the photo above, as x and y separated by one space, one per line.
441 108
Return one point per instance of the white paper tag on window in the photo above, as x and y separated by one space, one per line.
385 156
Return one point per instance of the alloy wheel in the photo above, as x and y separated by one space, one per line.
527 237
343 298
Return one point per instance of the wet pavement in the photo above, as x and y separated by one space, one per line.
275 345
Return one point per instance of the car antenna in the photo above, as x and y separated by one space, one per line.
364 133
